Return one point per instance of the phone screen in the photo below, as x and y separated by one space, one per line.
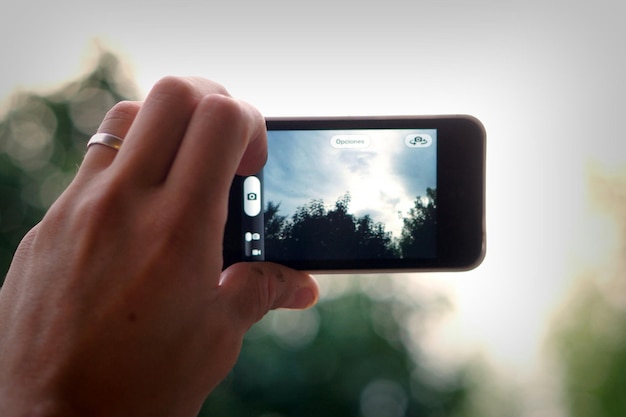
350 194
334 198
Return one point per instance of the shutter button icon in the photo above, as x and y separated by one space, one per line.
252 196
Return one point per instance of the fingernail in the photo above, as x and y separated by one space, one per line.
304 297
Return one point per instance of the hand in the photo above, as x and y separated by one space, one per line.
115 304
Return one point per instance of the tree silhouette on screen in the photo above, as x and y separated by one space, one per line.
315 232
420 227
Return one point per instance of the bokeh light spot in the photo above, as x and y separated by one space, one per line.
295 329
383 398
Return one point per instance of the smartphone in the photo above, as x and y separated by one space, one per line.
364 194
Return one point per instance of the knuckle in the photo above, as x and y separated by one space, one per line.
170 88
122 113
124 110
185 89
212 86
222 107
232 115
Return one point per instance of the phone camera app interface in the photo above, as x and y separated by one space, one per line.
345 194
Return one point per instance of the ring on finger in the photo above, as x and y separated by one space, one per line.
106 139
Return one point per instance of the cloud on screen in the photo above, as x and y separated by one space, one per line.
383 179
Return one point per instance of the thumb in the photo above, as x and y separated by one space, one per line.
251 289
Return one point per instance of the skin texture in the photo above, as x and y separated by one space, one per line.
116 303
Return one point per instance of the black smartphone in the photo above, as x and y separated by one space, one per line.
364 194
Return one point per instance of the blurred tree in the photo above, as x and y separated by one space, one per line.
590 336
345 357
42 141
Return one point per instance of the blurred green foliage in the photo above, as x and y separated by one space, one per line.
42 141
592 349
348 356
589 339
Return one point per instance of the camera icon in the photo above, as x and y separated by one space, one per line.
251 196
421 140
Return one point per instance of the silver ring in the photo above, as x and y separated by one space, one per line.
106 139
